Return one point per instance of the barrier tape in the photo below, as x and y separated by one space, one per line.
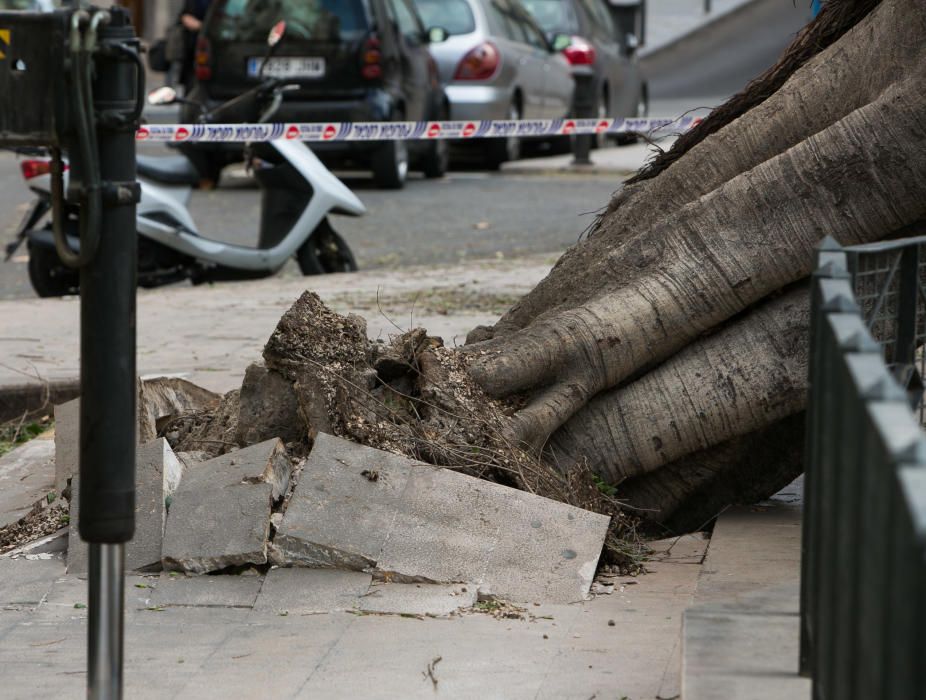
404 131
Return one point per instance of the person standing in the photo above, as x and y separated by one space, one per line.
189 24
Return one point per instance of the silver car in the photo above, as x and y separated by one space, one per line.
497 64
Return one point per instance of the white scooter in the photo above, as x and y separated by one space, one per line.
299 193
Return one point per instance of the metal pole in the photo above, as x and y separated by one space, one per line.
108 377
104 653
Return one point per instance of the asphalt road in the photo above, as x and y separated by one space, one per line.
465 215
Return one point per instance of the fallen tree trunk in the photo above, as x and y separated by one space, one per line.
671 343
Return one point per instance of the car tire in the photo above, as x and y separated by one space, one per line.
500 151
48 275
436 159
390 162
325 252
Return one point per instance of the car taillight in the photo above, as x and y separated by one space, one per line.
203 59
371 61
480 63
36 168
580 52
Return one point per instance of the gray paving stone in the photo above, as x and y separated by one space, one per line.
27 474
418 598
157 476
308 591
24 583
220 514
337 517
421 523
205 591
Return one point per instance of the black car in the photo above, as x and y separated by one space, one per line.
353 60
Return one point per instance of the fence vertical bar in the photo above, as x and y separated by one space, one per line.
831 264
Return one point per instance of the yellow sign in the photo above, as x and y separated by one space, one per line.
4 42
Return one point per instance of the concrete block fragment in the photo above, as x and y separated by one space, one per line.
361 508
308 591
158 473
418 598
338 517
266 462
268 408
220 515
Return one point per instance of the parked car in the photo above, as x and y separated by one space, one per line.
497 64
596 43
353 60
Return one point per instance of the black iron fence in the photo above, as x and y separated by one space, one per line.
863 581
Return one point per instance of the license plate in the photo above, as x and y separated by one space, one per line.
288 67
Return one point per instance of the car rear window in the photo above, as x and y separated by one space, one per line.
322 20
553 16
453 15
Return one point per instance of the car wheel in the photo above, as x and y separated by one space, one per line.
390 163
325 252
48 275
500 151
436 160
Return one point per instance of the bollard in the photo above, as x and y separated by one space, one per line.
584 106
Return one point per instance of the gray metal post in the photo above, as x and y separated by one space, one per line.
105 633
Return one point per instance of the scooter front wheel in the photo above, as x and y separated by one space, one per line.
325 252
48 275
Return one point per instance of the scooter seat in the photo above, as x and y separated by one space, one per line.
169 170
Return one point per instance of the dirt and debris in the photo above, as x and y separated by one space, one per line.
410 395
46 518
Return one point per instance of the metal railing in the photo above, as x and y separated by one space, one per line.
863 578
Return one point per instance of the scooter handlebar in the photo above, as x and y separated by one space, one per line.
248 105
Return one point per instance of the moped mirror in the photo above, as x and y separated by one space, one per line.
560 42
436 35
276 33
162 96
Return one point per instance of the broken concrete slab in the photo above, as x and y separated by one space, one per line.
430 599
268 408
27 474
159 399
337 517
356 507
266 462
157 475
220 515
311 591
